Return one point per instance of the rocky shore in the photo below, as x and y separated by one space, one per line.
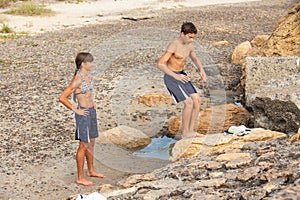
36 133
257 171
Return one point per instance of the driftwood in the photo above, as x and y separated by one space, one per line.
137 18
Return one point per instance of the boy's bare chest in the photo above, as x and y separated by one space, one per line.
182 52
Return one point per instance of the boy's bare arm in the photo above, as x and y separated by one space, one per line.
197 62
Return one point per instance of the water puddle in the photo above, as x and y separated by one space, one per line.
158 148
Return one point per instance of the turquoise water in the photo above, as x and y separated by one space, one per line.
158 148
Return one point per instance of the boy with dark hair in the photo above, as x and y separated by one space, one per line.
188 27
177 81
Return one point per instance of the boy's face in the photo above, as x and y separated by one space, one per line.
189 37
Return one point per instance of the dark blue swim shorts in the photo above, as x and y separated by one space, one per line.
180 91
86 126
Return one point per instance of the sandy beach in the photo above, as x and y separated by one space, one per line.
36 133
72 14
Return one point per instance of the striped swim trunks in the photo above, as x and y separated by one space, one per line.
86 126
179 91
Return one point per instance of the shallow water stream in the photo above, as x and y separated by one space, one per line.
158 148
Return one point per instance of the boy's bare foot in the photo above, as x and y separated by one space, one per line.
85 182
94 174
191 135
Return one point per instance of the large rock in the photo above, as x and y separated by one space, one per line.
215 119
285 39
259 40
125 137
272 90
272 84
219 143
240 52
219 118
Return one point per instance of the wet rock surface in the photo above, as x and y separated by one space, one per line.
36 133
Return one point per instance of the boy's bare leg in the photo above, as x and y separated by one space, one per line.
195 112
80 163
186 116
90 160
196 102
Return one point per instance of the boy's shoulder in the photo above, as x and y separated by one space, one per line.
176 40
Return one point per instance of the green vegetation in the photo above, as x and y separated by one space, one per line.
30 9
6 29
7 33
33 44
5 3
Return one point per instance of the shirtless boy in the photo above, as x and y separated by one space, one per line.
85 116
177 81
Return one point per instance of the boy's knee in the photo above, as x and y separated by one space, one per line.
188 102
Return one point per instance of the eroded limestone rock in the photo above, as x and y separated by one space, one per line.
126 137
273 92
215 119
219 143
240 52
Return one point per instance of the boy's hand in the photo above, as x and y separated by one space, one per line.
203 76
183 78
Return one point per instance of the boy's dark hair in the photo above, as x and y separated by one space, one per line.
188 27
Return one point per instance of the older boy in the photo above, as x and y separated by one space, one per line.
177 81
